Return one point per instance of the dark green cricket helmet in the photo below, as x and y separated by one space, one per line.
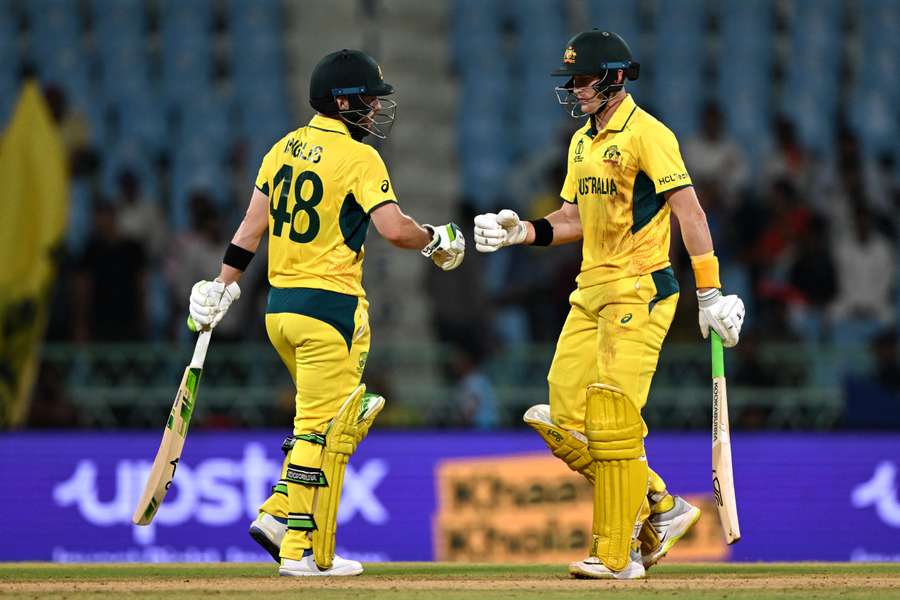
596 52
354 74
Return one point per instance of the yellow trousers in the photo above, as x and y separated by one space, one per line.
325 352
612 335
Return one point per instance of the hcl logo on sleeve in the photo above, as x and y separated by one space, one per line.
214 492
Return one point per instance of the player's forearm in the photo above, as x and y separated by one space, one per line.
399 229
696 236
695 232
566 227
246 239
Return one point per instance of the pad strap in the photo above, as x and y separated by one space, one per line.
305 476
301 522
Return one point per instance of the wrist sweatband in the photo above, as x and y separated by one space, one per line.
237 257
543 232
706 270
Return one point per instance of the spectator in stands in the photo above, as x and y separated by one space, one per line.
883 183
715 161
193 255
789 159
110 283
812 277
140 218
787 220
873 402
866 269
475 400
74 128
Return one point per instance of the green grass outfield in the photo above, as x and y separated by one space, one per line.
406 581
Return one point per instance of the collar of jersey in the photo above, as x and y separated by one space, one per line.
619 118
323 123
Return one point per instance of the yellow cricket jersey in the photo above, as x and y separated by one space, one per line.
618 177
322 185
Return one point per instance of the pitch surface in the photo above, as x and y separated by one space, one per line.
402 581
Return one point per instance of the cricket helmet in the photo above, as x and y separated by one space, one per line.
354 74
595 52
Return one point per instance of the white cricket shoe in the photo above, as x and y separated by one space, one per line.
307 567
592 568
267 531
670 526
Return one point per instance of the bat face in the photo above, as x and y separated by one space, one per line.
162 474
722 473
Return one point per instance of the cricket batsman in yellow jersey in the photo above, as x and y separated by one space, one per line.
624 177
316 192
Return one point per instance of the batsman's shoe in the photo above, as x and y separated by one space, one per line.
307 567
670 526
592 568
267 531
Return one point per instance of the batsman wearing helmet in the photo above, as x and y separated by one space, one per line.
316 192
624 177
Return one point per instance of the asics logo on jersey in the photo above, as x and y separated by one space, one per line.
385 186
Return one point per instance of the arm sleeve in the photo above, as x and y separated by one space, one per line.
661 159
267 170
374 186
568 190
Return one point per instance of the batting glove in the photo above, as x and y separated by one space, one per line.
447 247
210 301
494 231
725 314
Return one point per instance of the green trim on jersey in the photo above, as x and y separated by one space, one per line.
666 285
336 309
354 223
645 203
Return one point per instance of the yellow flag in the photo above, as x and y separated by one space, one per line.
34 201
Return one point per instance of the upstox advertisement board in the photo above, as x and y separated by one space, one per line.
415 496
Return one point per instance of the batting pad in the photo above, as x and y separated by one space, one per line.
569 446
346 431
615 440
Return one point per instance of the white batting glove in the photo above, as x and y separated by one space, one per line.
494 231
447 247
725 314
210 301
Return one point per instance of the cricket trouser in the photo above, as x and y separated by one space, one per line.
599 381
323 339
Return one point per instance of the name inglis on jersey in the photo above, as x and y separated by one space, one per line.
600 186
299 149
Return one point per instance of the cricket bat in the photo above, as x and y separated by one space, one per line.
722 473
166 462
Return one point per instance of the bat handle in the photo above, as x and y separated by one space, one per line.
718 355
200 349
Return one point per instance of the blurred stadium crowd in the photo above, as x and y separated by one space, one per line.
787 113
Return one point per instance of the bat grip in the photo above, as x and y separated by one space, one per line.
718 358
200 349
